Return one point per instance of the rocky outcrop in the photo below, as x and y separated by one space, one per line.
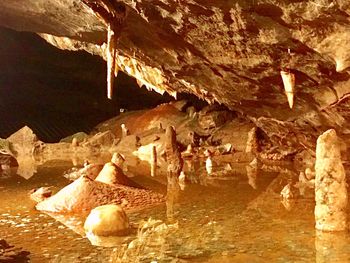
85 194
330 185
232 53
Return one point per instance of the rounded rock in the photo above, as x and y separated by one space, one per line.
107 220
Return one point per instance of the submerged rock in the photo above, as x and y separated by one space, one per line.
330 185
40 194
85 194
107 220
10 253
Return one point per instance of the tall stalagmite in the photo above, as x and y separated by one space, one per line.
330 185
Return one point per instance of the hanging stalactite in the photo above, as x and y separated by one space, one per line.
113 14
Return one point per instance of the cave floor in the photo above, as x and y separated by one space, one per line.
225 217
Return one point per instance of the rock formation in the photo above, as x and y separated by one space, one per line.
107 220
232 53
330 185
85 194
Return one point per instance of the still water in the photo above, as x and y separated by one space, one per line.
232 215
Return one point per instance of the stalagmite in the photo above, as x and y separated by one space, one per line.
330 185
154 161
175 165
208 162
288 79
125 131
252 141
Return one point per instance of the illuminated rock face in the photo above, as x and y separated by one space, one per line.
330 185
231 52
107 220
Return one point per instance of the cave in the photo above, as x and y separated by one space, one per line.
174 131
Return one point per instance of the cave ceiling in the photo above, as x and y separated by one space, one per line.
231 52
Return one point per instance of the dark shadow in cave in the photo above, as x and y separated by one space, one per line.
57 93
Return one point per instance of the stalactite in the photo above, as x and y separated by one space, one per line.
111 54
288 79
113 14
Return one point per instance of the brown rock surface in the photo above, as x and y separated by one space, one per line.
230 52
85 194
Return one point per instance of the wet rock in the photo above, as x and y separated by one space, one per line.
107 220
89 170
118 160
287 192
330 185
105 139
85 194
252 141
79 136
40 194
10 253
113 175
23 141
213 117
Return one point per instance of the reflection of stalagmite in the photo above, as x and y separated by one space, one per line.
331 247
175 164
252 173
182 179
288 79
154 161
330 185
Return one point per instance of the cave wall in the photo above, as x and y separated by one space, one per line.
225 51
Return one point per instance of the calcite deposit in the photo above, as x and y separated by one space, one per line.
330 185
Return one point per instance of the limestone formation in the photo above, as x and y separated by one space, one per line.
118 160
153 161
107 220
252 141
89 170
172 152
330 185
40 194
84 194
288 83
113 175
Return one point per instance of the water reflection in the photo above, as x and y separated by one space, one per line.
172 197
240 217
332 247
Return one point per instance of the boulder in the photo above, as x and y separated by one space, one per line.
107 220
23 140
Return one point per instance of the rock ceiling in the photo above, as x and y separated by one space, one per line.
231 52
